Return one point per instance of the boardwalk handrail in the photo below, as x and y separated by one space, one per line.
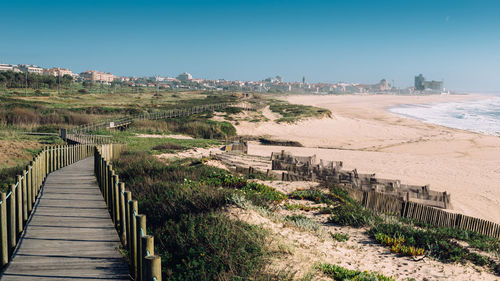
130 224
17 206
82 129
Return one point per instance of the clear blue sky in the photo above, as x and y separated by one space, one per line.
329 41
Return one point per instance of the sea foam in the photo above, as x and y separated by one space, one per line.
482 116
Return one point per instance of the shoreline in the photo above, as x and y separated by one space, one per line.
409 105
365 135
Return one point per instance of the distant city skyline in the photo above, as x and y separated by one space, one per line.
325 41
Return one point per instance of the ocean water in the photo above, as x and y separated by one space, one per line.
482 116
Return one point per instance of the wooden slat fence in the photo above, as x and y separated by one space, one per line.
385 203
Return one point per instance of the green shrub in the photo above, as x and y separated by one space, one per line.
474 239
314 195
231 110
303 222
438 245
351 214
201 128
182 201
302 207
259 194
342 274
341 237
168 146
294 112
262 195
8 176
211 247
163 191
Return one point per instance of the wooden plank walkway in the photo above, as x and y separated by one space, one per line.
70 236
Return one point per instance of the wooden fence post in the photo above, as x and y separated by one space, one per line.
111 177
141 231
19 205
25 199
116 197
33 183
128 198
123 223
101 173
148 249
445 198
45 161
152 268
3 229
29 185
12 219
133 236
52 158
105 181
56 157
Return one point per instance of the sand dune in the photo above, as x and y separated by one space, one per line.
364 135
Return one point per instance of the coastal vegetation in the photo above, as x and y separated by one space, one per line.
187 203
339 273
184 201
293 112
47 114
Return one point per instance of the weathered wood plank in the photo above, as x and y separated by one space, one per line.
70 235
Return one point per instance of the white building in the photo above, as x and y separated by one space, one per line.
185 77
58 71
31 68
6 67
166 79
9 67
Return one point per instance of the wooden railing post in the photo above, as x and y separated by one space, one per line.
133 208
25 198
28 188
52 158
19 206
3 229
36 176
116 200
45 161
106 182
128 198
123 223
111 194
141 230
12 219
148 249
101 174
67 152
56 157
61 156
152 268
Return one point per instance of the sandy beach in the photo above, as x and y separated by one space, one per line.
365 135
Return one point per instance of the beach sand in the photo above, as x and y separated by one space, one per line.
365 135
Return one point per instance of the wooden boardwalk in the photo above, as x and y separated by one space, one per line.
70 236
